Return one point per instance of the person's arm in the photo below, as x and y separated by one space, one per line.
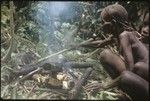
126 49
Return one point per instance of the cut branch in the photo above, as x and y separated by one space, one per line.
97 43
79 64
80 83
30 74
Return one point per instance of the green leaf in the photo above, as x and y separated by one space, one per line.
13 91
4 91
99 10
58 35
93 21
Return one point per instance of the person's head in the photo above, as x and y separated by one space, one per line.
145 28
114 18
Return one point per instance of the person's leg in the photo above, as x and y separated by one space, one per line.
134 86
130 83
141 69
112 63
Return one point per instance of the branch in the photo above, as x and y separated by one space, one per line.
11 47
30 74
97 43
41 62
80 83
79 64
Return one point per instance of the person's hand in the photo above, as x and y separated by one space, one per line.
93 87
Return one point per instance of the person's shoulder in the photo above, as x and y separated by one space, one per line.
130 33
125 34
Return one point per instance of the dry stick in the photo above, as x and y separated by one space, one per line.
31 91
7 40
87 93
14 92
44 96
59 91
112 49
92 53
29 74
95 86
108 45
48 57
95 51
79 64
24 88
43 59
4 91
96 44
80 83
11 47
17 38
82 43
33 65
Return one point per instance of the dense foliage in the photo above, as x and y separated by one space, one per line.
44 28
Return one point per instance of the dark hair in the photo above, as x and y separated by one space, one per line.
116 17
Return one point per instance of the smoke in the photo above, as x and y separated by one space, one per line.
57 7
50 16
46 15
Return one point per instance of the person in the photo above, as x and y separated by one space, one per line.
144 30
133 69
134 51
